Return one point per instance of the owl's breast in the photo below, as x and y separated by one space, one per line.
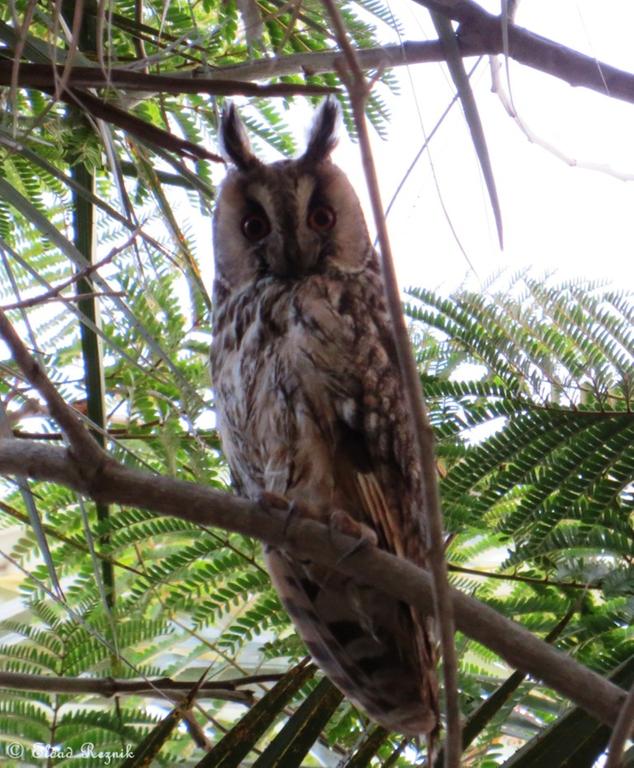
275 361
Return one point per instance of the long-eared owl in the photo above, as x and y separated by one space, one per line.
310 406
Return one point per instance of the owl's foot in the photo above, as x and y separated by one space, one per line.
297 510
268 501
294 509
344 523
336 519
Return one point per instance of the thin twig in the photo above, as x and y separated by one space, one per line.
623 730
309 540
297 7
62 73
53 296
17 58
505 97
486 711
543 582
358 90
110 687
77 617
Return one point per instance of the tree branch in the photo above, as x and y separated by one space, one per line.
309 540
55 290
479 35
87 468
109 687
45 77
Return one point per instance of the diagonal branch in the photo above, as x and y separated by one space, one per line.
312 541
91 471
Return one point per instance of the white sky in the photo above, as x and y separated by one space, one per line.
571 221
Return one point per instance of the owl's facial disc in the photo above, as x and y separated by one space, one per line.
288 223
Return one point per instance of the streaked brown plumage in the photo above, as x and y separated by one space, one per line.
310 406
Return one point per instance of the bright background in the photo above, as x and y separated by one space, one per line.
560 220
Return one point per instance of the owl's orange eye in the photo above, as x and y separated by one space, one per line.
321 218
255 226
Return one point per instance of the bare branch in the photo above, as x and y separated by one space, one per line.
102 110
53 296
95 474
479 33
318 62
309 540
485 32
534 138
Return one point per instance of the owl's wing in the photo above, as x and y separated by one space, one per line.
377 466
384 484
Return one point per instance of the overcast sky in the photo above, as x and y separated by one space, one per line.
557 218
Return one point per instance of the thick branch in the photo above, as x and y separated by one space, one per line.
309 540
543 54
483 36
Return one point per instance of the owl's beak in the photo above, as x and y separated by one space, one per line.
290 260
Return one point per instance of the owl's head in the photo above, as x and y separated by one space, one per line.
287 219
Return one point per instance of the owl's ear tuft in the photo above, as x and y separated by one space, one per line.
323 137
234 142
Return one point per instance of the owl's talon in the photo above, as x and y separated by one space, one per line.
292 507
359 545
268 501
343 523
293 510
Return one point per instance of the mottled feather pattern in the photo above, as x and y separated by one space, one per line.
310 406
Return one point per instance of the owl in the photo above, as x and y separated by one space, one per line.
311 407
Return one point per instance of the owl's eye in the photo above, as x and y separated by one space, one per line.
321 218
255 226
